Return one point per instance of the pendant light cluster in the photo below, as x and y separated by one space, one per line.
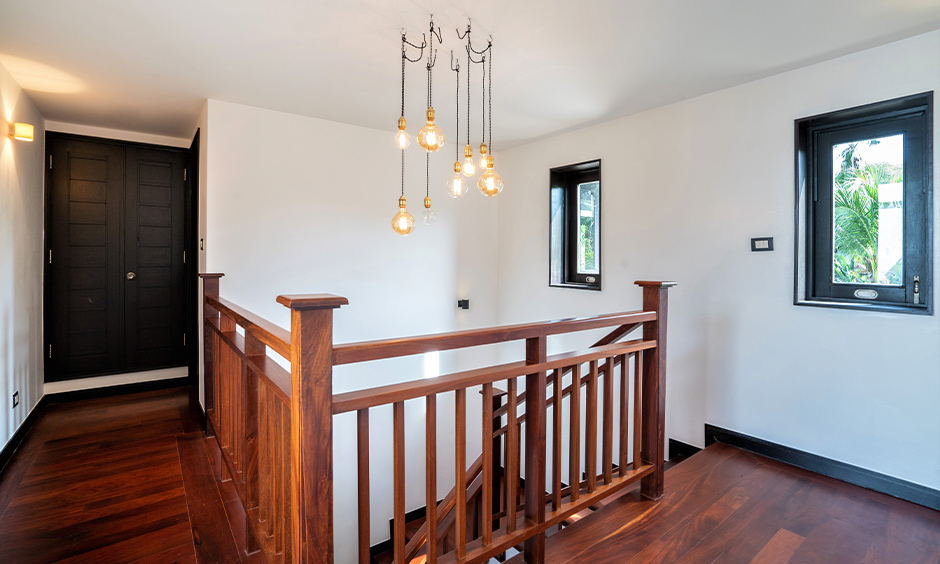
431 138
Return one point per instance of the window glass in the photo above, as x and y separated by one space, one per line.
868 211
588 236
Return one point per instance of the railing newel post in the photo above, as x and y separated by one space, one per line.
311 483
655 298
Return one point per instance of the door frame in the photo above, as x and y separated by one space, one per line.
190 242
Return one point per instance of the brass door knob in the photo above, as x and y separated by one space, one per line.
131 276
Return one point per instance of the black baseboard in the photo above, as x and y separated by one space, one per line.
6 455
96 393
908 491
679 448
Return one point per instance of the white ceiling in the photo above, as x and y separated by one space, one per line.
148 66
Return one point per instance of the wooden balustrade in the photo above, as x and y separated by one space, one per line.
274 428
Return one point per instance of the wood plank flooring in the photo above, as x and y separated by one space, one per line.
728 505
113 480
132 479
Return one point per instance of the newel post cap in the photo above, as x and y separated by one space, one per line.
312 301
205 275
655 284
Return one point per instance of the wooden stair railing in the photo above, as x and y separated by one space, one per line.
274 428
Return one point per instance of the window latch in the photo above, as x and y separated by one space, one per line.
916 290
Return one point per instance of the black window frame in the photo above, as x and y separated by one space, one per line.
815 136
563 257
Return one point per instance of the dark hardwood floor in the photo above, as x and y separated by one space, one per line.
729 505
120 479
132 479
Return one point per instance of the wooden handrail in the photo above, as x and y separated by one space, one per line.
270 334
391 348
392 393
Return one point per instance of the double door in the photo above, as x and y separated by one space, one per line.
116 288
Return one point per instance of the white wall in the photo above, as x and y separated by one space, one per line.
684 188
302 205
21 251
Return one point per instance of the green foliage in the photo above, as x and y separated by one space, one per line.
856 213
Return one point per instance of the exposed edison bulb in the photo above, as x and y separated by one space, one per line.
402 139
431 138
490 183
403 222
468 169
457 186
483 155
428 216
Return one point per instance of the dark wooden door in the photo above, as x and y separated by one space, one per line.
116 276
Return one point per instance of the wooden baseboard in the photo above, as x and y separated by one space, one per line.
679 448
882 483
17 439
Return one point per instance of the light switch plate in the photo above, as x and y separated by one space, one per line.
759 244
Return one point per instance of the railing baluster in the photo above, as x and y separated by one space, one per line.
273 453
511 477
264 468
624 407
536 353
574 438
398 444
431 478
590 432
556 438
284 474
460 446
486 499
608 433
637 408
279 483
362 451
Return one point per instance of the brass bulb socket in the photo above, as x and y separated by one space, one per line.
401 123
430 115
427 202
489 161
468 151
401 202
456 166
482 149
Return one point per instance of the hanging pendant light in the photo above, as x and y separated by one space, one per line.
468 169
456 186
490 183
431 138
403 222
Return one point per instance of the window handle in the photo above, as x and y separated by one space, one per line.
917 289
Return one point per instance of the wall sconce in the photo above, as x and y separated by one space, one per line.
21 131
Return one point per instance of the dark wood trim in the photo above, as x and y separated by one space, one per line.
902 489
108 391
6 455
681 449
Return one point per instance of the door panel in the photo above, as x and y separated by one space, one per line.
115 209
154 252
85 320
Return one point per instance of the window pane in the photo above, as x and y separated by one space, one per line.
588 236
868 211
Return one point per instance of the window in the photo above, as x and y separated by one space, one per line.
575 233
864 194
